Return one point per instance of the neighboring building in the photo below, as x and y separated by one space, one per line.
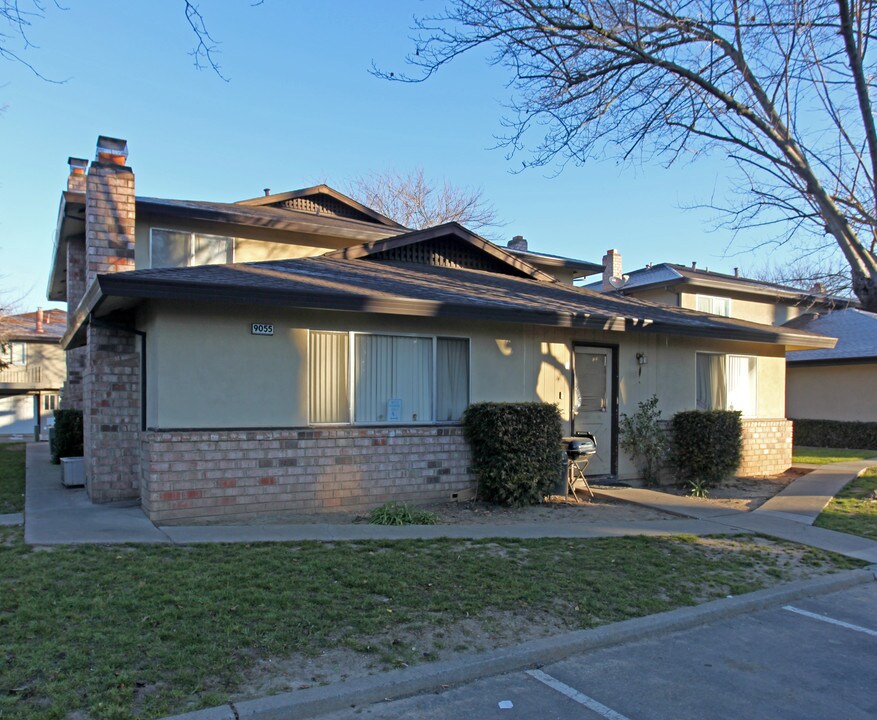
837 383
717 293
35 370
301 352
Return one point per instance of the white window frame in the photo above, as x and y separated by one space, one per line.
728 355
9 353
191 254
712 298
351 385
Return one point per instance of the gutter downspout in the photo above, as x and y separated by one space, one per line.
142 335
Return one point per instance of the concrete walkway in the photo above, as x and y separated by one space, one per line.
789 515
57 515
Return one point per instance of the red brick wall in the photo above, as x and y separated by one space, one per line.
111 415
109 220
224 474
72 398
767 446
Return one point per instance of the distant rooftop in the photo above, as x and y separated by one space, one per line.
855 330
24 325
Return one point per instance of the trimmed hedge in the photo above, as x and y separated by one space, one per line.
835 434
515 450
68 440
705 446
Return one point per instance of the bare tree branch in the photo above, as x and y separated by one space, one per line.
415 202
784 86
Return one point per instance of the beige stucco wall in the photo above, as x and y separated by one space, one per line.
257 244
48 357
205 369
664 297
766 312
839 392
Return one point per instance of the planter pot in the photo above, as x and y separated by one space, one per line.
73 471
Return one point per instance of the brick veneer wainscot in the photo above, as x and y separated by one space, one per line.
237 474
767 446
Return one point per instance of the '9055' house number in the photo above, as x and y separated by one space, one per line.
262 329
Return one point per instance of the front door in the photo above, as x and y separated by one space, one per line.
593 406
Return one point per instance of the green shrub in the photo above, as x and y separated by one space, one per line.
398 513
515 450
68 435
644 438
705 446
835 434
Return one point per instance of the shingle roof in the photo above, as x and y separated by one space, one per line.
24 326
407 289
855 330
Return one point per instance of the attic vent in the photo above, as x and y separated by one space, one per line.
446 252
321 204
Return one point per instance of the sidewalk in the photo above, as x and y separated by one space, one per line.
56 515
789 515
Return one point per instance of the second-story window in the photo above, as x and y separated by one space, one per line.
715 305
175 248
13 353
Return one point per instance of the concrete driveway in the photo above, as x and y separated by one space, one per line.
815 659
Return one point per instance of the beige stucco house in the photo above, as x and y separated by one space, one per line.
301 352
33 370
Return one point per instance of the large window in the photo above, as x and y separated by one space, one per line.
715 305
387 378
13 353
727 382
174 248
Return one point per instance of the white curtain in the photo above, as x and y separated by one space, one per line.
741 385
711 382
452 378
169 248
212 250
393 368
329 393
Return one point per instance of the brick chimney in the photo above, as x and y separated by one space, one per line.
38 320
109 210
518 243
611 268
76 178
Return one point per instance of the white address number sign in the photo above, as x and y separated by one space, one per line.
262 329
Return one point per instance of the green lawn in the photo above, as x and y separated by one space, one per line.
11 477
141 631
851 511
824 456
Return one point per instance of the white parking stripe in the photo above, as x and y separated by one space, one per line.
574 694
825 618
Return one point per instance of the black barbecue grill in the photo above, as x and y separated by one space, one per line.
579 452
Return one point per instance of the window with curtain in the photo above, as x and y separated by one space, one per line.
329 377
727 382
14 353
715 305
394 378
175 248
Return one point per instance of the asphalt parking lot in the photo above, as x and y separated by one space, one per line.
814 659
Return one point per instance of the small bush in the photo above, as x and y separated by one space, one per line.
398 513
705 446
515 450
68 435
643 437
835 434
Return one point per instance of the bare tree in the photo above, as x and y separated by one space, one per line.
415 202
17 17
784 86
810 273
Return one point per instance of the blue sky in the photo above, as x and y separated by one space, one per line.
301 108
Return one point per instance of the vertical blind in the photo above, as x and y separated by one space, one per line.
329 393
395 378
